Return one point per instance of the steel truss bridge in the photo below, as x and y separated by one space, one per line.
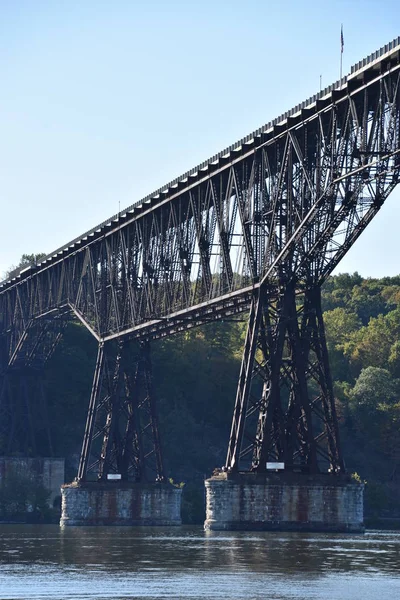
257 228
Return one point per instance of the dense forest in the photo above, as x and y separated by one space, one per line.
195 377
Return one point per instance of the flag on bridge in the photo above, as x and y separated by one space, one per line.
341 39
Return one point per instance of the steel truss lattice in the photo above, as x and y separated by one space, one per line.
261 226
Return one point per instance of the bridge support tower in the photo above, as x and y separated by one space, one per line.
283 501
120 477
284 467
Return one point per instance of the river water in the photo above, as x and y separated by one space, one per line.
185 562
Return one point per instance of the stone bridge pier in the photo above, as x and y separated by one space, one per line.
116 503
291 502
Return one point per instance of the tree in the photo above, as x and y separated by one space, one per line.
26 260
347 281
375 407
391 295
23 496
376 344
366 300
340 324
374 386
337 291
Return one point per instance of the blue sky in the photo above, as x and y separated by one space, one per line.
102 102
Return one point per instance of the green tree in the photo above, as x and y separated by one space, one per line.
366 300
31 259
26 260
340 324
337 291
374 405
376 344
374 386
391 295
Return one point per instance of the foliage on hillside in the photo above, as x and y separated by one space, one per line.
362 320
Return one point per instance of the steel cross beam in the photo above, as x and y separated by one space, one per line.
265 221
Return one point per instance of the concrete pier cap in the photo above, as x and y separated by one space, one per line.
120 503
284 501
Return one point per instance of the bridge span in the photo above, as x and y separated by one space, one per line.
257 227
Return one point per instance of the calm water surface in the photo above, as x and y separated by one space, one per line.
98 563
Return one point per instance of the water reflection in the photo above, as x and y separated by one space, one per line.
46 562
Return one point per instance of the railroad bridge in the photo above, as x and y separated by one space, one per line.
257 228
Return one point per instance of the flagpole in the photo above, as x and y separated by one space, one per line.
341 50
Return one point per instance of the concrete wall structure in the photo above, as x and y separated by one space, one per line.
47 471
284 501
118 503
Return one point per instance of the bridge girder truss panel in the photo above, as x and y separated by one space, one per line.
297 201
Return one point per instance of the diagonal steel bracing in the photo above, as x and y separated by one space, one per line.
260 225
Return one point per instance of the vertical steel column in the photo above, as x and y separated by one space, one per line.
315 340
301 397
132 456
270 440
111 438
244 385
148 375
90 421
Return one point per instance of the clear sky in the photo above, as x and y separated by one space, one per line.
102 102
